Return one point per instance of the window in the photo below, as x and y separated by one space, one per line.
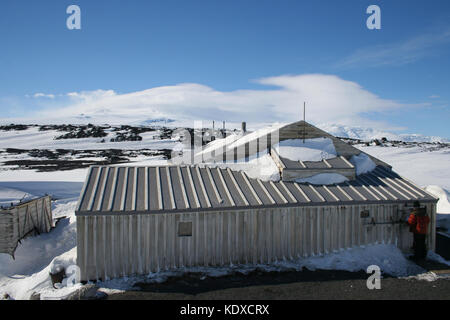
185 229
365 214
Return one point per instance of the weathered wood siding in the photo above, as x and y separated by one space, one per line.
112 246
22 220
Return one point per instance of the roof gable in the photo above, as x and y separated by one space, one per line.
260 140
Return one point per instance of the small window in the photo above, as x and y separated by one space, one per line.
365 214
185 229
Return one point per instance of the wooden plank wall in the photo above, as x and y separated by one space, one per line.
115 246
23 220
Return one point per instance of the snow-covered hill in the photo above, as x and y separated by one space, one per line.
366 134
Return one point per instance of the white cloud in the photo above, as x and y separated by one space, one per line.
328 97
398 53
434 96
87 96
43 95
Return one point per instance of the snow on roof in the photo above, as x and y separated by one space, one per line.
323 179
258 166
315 149
362 163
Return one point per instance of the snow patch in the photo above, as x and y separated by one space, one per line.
442 208
388 257
37 256
443 205
323 178
259 166
435 257
427 276
10 196
311 150
431 276
362 163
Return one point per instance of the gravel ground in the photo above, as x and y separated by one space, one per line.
319 284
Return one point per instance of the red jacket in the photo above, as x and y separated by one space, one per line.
419 224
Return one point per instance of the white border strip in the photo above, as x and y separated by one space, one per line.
266 191
183 189
124 189
344 193
194 190
332 194
237 186
94 188
169 185
112 194
317 193
302 192
213 183
202 184
219 171
102 190
356 191
158 187
288 192
255 195
278 192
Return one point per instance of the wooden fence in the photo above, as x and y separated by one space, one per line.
22 220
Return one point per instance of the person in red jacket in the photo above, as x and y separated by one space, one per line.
418 222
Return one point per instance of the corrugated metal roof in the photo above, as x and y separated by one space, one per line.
128 190
333 163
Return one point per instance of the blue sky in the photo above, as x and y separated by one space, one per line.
229 46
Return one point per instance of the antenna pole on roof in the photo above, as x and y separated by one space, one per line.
304 123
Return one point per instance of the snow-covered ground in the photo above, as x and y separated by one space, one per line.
364 133
32 138
37 256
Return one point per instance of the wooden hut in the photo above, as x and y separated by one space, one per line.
24 219
137 220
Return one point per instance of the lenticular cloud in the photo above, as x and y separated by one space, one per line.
328 97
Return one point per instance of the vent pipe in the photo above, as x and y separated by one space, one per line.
224 134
